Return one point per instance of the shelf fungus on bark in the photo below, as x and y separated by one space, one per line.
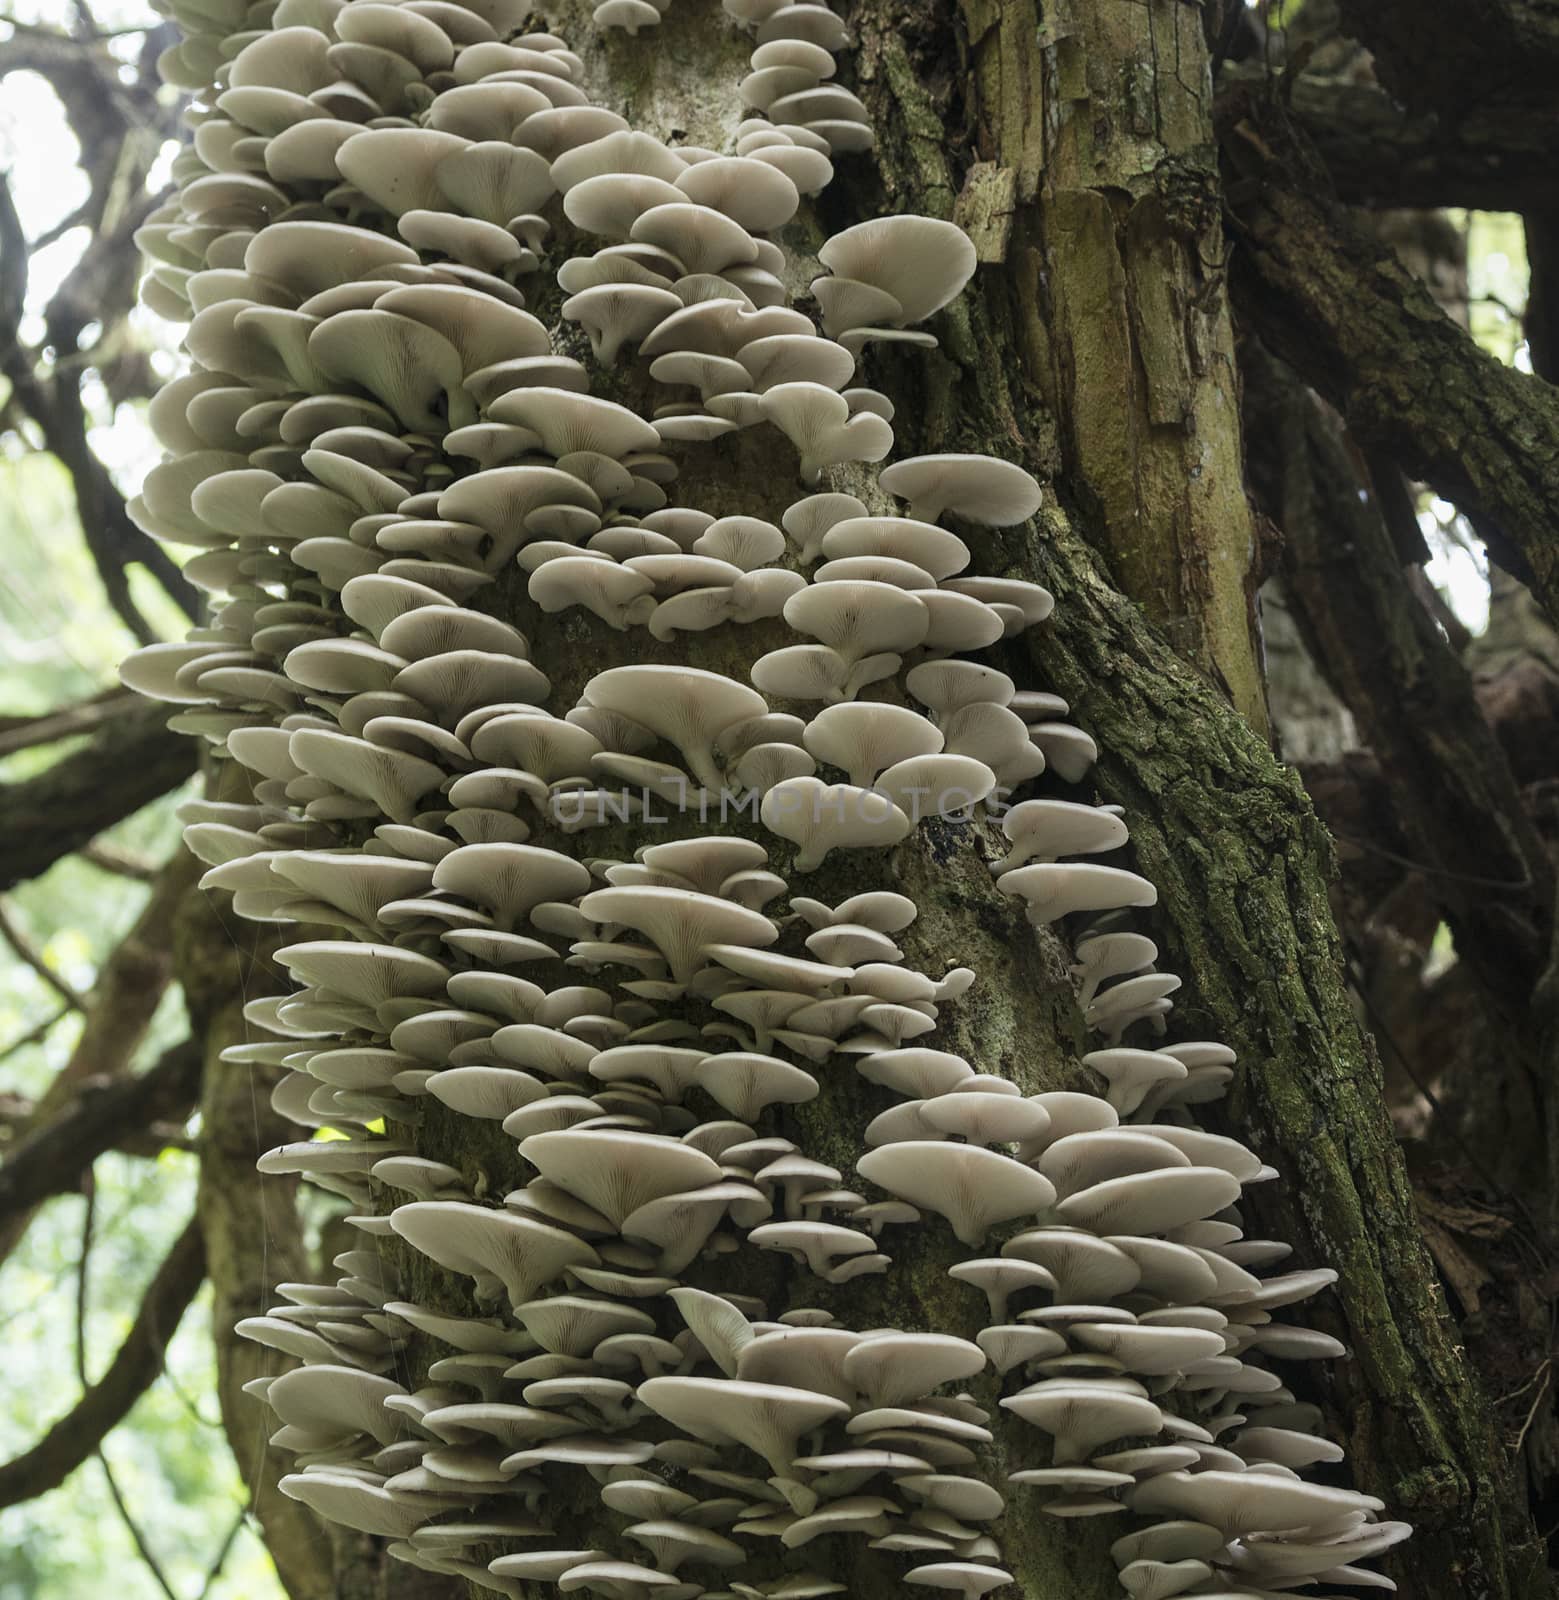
376 438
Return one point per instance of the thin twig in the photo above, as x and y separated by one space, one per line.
53 398
83 1291
1471 879
214 1571
1547 1371
75 1438
122 863
29 954
34 1034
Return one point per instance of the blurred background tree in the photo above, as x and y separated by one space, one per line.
114 1468
88 787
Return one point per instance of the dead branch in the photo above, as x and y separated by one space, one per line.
25 731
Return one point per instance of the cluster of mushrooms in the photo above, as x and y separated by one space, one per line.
372 432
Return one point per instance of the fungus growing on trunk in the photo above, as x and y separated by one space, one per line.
376 450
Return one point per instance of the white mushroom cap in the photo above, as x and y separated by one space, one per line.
968 1578
1009 1345
360 1500
615 314
819 423
922 262
820 817
1048 829
543 1566
680 1224
617 1172
757 196
1150 1351
1083 1415
768 1419
687 707
1168 1541
858 619
703 239
1068 751
801 1357
1133 1074
630 15
1052 890
835 1254
1084 1266
568 422
618 1580
744 1084
795 358
915 1072
681 923
974 1188
981 489
1151 1202
927 546
518 1253
893 1369
808 521
1242 1503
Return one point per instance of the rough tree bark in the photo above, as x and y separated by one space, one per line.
1095 345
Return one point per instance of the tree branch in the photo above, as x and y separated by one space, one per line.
83 1296
1497 157
56 406
122 863
135 1367
1483 862
26 732
53 1159
129 987
29 955
131 761
1451 55
17 1113
1333 302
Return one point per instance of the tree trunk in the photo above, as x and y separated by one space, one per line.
1095 345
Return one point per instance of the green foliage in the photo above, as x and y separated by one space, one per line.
1497 282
